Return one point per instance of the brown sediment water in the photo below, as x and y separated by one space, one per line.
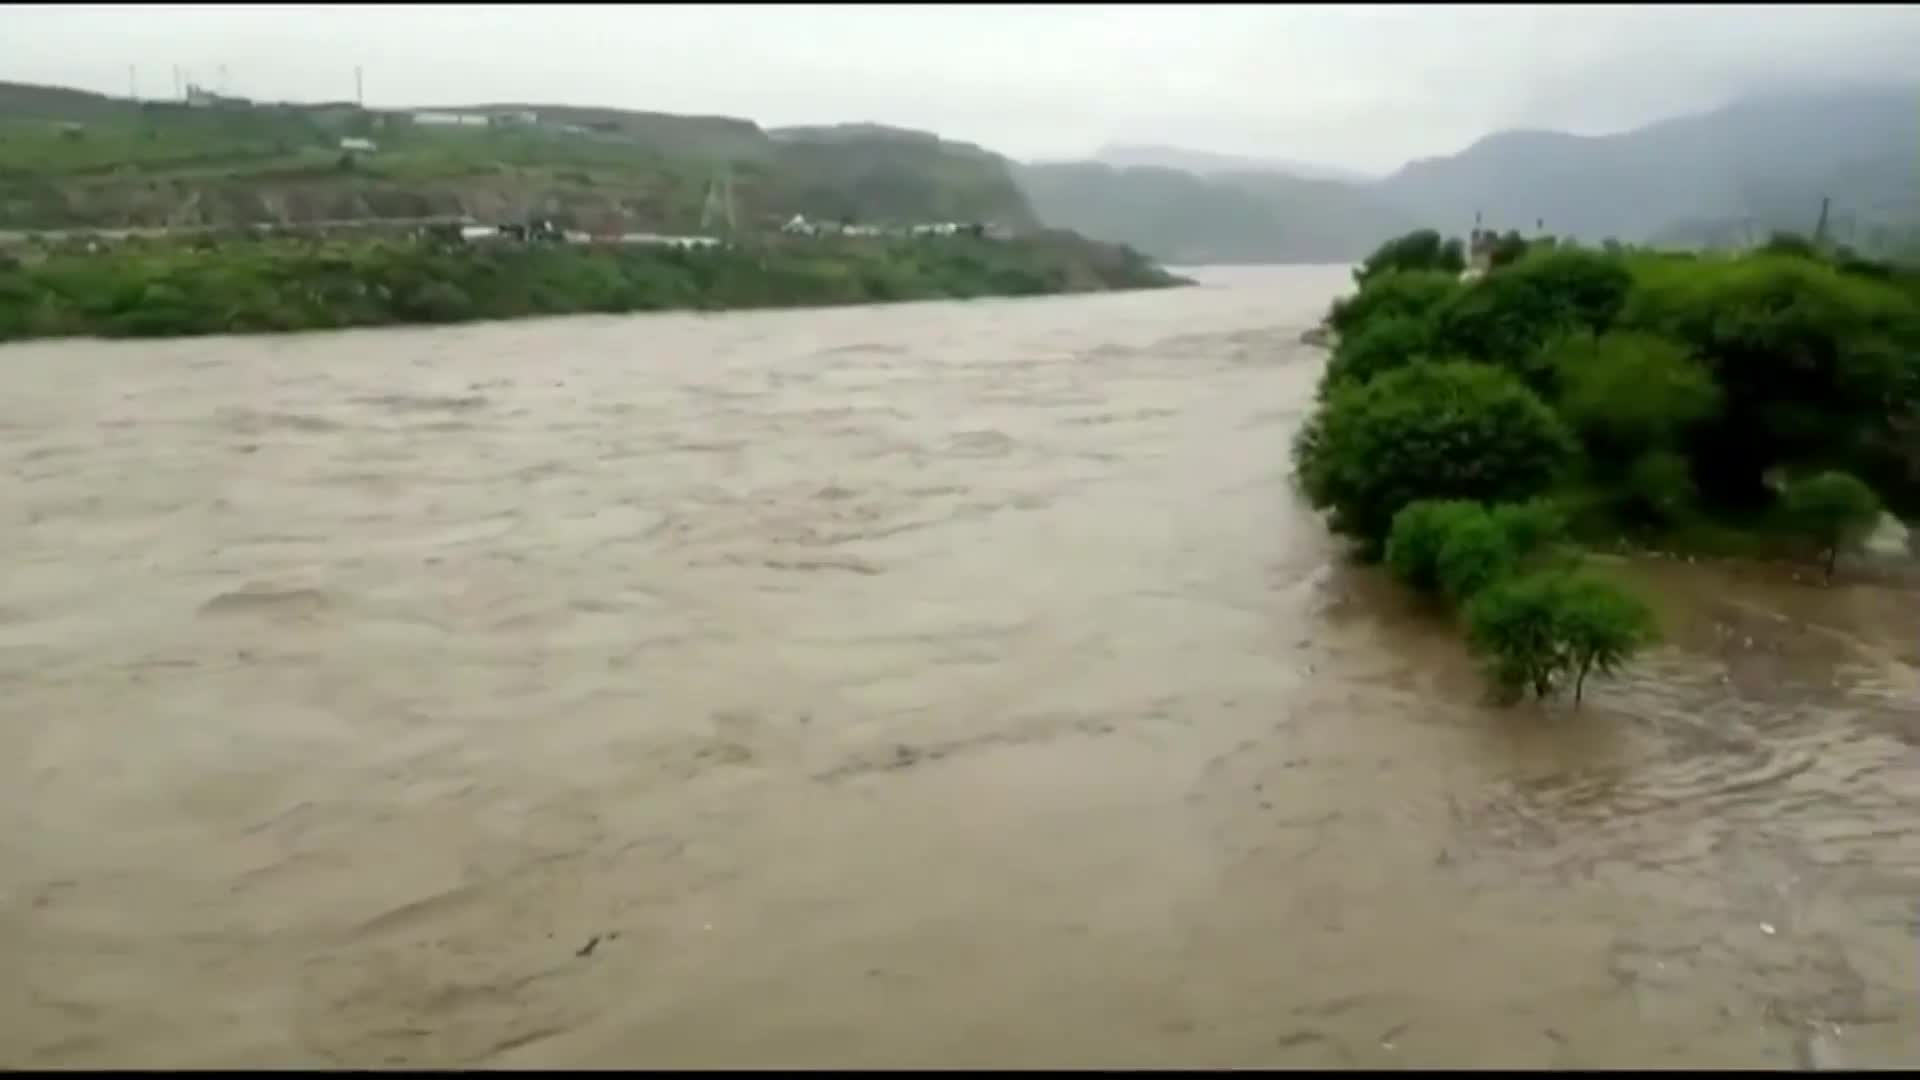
931 684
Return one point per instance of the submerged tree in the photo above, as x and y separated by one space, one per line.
1541 629
1834 510
1600 625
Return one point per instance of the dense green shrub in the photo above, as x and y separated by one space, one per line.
1657 490
1456 547
1506 318
1626 393
1462 431
1689 379
1411 294
1507 249
1474 553
1419 250
1791 244
242 283
1419 531
1811 363
1530 527
1379 346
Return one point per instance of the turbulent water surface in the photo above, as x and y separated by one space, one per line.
935 684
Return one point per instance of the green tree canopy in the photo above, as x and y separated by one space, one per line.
1626 393
1448 430
1538 630
1422 249
1833 510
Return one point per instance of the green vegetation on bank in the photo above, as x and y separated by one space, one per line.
74 160
259 284
1771 399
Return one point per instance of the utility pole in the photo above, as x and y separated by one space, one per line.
359 89
1820 227
133 85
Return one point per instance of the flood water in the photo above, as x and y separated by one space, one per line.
933 684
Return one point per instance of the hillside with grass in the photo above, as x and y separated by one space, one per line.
72 160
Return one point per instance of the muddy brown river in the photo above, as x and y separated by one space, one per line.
933 684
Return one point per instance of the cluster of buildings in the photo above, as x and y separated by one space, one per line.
546 232
799 225
436 118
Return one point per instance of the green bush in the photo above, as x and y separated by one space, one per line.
1381 345
1688 380
1419 531
1658 489
1790 244
1627 392
1422 249
435 302
1811 364
1456 547
1506 318
1507 249
1474 553
1434 431
1530 527
1834 511
1413 294
244 283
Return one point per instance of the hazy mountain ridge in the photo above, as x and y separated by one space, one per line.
1207 163
1184 219
1748 168
1767 159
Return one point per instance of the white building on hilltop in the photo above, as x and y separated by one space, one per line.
450 119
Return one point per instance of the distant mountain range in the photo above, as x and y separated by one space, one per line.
74 159
1202 163
1187 220
1719 177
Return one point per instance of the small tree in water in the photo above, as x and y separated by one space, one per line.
1600 624
1537 630
1834 510
1511 625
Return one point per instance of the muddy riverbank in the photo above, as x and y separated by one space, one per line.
933 684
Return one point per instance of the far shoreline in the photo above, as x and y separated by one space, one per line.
275 286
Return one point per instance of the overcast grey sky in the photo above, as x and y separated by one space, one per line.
1360 87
